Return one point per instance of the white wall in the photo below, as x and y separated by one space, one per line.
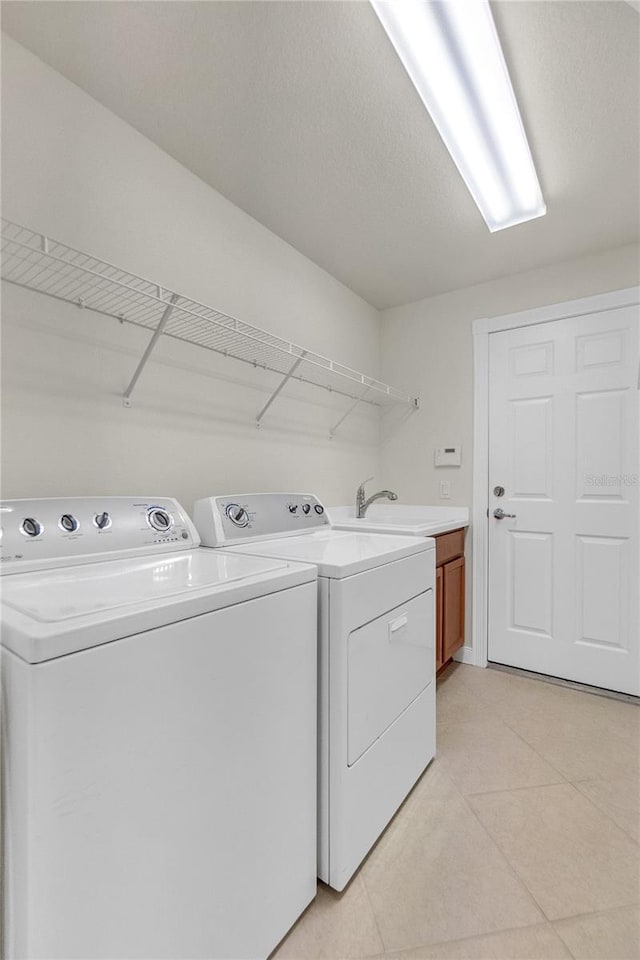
429 345
73 170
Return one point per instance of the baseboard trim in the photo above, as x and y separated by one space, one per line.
465 655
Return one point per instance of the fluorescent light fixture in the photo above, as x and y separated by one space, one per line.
451 51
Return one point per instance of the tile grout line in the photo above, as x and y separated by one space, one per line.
519 881
531 786
473 936
537 752
510 865
604 813
544 919
373 912
581 916
500 721
593 913
628 903
563 941
564 778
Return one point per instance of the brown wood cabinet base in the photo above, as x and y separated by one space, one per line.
450 596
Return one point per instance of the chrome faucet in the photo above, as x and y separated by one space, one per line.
362 504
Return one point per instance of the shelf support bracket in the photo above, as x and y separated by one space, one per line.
157 333
280 387
332 431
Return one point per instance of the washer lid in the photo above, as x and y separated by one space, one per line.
340 553
50 613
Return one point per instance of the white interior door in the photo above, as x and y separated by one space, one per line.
563 442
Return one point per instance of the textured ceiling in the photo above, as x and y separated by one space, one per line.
301 114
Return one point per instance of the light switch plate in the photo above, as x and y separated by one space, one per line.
447 456
445 489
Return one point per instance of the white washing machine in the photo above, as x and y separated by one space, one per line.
376 627
159 736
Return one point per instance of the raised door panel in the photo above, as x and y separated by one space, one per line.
439 615
530 582
531 431
603 592
600 445
453 607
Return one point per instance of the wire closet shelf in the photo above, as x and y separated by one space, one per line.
37 262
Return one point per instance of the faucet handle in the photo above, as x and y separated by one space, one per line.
366 481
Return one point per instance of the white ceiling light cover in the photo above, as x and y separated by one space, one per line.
452 53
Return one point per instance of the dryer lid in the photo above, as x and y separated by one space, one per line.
340 553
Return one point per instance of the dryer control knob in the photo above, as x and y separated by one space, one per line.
102 520
237 514
293 508
31 527
160 520
68 523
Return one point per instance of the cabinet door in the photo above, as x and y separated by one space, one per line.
453 607
439 615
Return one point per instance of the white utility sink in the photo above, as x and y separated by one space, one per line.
410 520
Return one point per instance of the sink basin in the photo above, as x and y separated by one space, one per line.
417 521
396 522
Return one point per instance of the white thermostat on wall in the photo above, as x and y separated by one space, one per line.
447 456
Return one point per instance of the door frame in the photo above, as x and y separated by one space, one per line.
482 330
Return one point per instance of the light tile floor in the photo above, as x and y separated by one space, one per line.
520 841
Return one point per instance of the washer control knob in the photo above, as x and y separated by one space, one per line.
293 508
319 509
102 520
31 527
306 508
159 520
68 523
237 514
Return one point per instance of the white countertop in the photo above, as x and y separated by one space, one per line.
409 520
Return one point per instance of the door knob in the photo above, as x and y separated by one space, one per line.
499 514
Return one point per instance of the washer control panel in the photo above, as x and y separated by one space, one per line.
36 534
257 516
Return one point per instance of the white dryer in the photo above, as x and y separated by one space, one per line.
376 628
159 736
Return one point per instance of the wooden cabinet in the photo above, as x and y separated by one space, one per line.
439 609
452 607
450 596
